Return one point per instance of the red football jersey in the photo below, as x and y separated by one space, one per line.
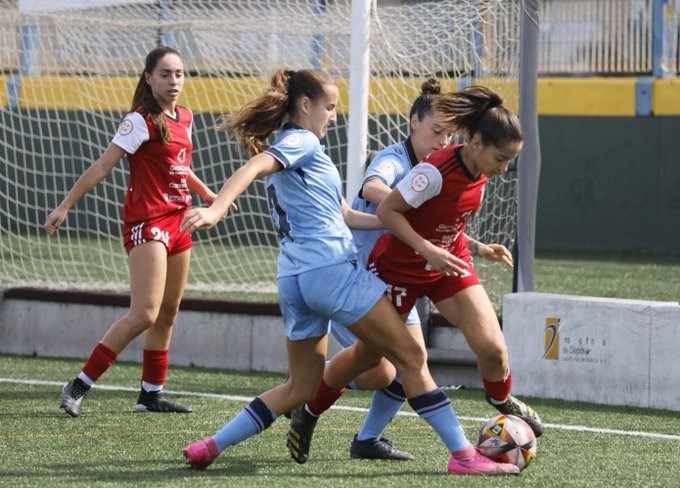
444 195
158 172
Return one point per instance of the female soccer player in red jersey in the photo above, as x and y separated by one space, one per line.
156 136
386 169
425 252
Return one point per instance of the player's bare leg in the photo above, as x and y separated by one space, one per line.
472 312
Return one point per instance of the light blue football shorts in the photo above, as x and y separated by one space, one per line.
346 338
342 292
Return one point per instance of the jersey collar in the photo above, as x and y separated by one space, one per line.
408 145
290 125
466 171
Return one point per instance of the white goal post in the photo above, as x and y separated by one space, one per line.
70 74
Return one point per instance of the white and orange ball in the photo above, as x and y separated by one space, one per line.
507 439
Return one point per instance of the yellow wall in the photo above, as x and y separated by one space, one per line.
76 93
586 96
556 96
3 93
666 97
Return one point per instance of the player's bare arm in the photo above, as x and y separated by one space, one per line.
197 186
375 191
492 252
391 212
88 180
360 220
206 217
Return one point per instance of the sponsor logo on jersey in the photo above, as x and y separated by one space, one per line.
177 198
292 140
182 185
445 228
182 155
125 127
178 169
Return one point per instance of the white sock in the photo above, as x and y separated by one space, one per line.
151 386
85 379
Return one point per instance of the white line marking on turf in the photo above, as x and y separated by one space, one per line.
579 428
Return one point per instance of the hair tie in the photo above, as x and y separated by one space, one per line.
494 102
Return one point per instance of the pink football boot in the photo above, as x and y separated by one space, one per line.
201 454
471 461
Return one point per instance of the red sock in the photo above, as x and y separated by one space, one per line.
498 390
154 366
324 398
99 361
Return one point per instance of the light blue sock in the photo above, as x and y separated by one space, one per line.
385 404
253 419
436 409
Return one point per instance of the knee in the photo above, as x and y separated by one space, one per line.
419 355
141 321
166 315
495 353
411 357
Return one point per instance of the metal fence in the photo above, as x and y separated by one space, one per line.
577 37
609 37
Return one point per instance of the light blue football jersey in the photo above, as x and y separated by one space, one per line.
390 165
305 204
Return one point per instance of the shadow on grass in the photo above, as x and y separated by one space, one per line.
165 471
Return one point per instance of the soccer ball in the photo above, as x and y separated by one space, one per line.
507 439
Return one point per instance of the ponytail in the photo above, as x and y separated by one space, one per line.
479 110
255 121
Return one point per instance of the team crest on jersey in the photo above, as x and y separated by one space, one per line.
420 182
292 140
125 127
182 155
386 168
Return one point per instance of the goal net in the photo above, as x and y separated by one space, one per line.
70 69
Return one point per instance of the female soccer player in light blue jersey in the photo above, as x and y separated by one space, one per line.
319 274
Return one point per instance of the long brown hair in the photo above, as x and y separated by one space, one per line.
255 121
144 98
479 110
